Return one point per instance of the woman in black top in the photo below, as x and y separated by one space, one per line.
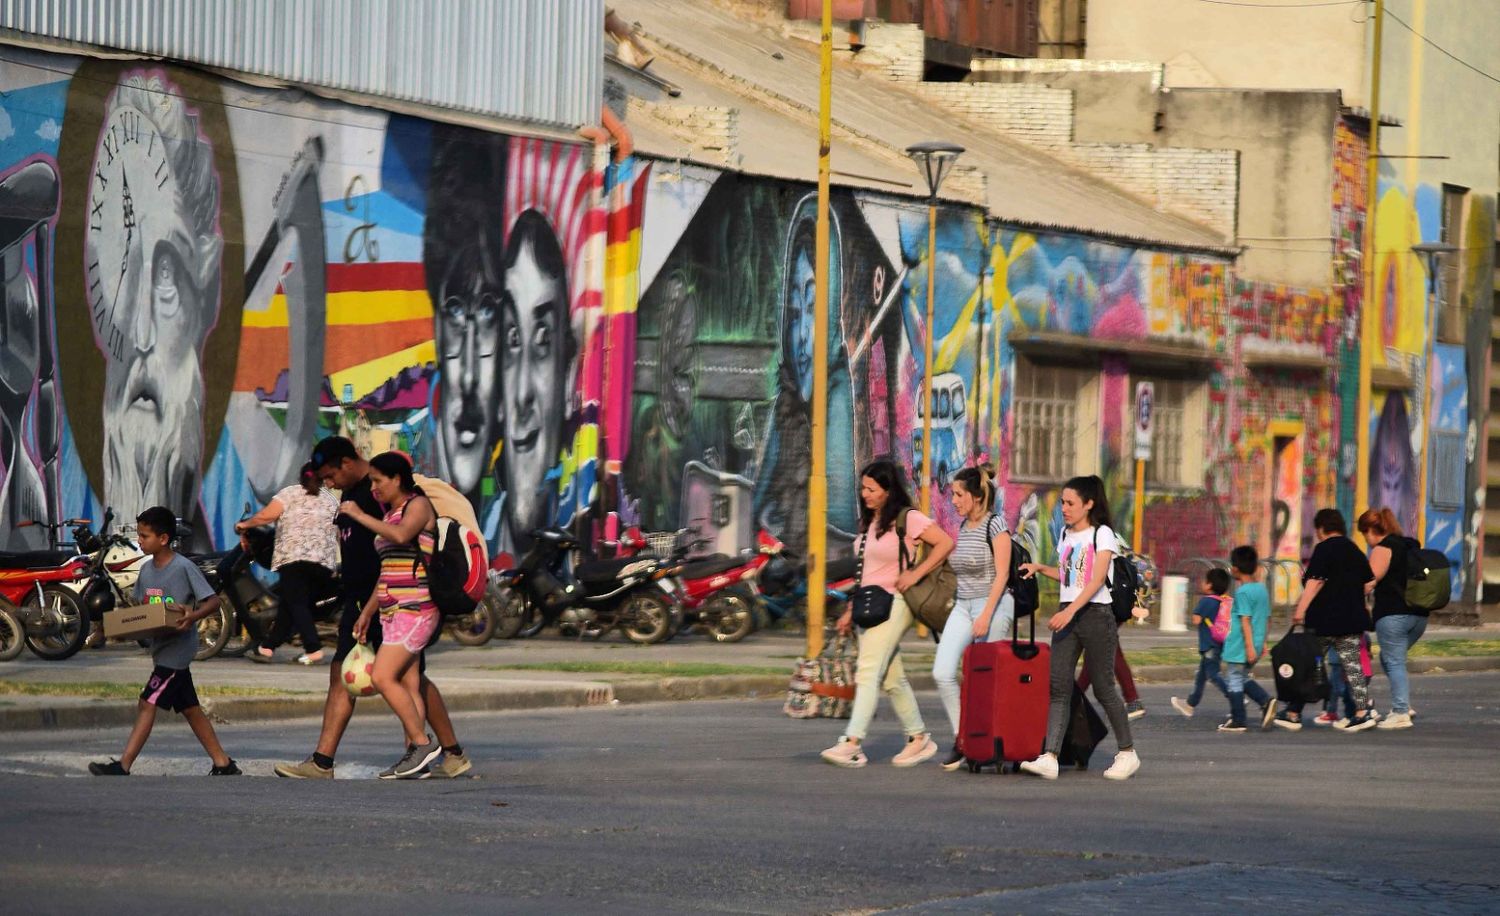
1333 607
1397 625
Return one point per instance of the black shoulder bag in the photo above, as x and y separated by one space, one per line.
870 605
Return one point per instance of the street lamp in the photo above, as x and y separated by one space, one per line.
934 159
1432 254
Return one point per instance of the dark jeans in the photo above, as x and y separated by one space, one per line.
1093 634
1208 673
1122 672
300 585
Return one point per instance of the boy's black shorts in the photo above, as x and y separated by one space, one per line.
170 688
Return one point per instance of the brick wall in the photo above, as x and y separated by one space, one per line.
1033 114
1200 183
899 52
713 130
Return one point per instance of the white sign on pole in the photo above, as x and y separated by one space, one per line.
1145 418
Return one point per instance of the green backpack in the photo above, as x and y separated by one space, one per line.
1429 578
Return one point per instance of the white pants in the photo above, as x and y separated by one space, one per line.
958 633
879 668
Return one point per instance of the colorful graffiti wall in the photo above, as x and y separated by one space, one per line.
202 279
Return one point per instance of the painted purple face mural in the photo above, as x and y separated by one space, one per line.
1393 467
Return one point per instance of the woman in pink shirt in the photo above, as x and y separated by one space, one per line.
883 499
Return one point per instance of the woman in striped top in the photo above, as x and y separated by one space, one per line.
984 609
408 617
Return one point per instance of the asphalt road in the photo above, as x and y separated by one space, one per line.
724 807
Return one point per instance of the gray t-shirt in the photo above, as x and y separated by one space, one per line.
973 557
179 582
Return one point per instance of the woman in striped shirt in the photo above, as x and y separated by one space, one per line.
408 617
984 609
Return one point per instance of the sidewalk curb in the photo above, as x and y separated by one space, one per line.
586 693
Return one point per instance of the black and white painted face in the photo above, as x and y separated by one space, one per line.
468 339
152 271
534 359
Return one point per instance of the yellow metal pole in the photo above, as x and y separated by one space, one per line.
1369 312
927 360
1140 503
817 490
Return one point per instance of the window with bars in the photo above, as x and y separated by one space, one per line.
1177 445
1448 469
1449 286
1047 421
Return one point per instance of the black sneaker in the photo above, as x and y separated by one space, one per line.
1229 726
228 770
113 768
415 762
954 760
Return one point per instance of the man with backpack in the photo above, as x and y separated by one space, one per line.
341 467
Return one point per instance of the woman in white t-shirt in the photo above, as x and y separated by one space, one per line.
1085 625
305 559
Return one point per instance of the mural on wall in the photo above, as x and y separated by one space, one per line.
237 273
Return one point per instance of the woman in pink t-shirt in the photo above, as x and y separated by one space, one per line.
883 497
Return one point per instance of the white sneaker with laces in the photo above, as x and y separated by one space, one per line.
1044 766
1182 706
1395 720
1125 765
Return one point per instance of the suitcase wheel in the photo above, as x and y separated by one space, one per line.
973 767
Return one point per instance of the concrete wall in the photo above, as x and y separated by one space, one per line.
1285 143
1210 44
1109 106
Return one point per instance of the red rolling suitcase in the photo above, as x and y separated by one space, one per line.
1004 700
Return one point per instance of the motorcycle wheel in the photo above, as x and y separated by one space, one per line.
67 625
476 627
532 619
509 610
730 616
12 636
646 618
213 633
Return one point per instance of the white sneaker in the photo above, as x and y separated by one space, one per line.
1044 766
1395 720
1124 767
1182 706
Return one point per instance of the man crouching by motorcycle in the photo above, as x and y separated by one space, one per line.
339 466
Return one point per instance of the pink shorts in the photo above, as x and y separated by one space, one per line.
413 631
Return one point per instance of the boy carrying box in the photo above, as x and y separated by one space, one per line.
170 578
1246 640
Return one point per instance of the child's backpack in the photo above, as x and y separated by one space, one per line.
1023 592
1123 581
1429 578
1218 630
458 570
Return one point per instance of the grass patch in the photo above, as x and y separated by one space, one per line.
1434 648
655 669
110 691
1165 655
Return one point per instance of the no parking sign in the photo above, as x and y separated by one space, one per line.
1145 416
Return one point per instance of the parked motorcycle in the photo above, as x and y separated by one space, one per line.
717 592
635 594
38 589
12 634
253 607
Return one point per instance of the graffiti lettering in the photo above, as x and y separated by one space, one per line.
360 242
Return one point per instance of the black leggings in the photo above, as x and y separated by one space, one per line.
301 584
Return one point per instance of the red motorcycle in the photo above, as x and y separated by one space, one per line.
717 592
40 588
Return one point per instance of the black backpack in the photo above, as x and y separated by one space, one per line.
1023 592
1124 582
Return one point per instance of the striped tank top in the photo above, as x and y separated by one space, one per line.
403 572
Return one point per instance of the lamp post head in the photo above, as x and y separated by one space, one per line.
1432 254
934 159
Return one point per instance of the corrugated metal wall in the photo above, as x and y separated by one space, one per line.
533 60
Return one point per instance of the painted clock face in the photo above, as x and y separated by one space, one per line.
135 242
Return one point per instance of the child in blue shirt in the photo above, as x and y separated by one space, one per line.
1246 640
1215 585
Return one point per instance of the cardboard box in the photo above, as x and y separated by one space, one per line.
142 620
